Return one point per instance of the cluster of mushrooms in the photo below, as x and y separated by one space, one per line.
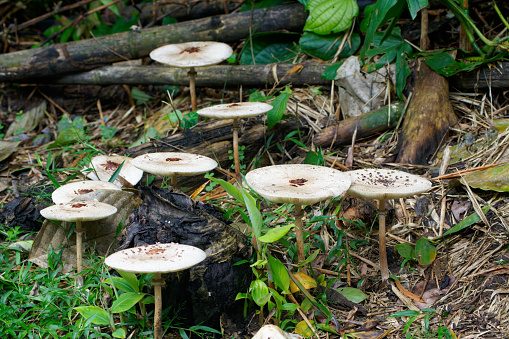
297 184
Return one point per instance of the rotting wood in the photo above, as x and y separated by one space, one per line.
428 118
212 76
483 78
365 124
92 53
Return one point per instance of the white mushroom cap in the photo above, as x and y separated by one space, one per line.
386 184
235 110
79 211
192 54
106 165
274 332
157 258
168 163
298 183
68 192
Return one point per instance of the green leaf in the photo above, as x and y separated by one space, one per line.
126 301
119 333
120 283
279 274
269 48
309 259
131 280
491 179
278 108
139 96
406 251
274 234
407 313
204 328
314 158
325 46
229 188
254 213
331 72
101 317
330 16
425 252
468 221
415 6
68 136
352 294
260 292
444 64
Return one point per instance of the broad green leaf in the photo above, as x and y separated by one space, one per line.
269 48
444 64
309 259
255 215
279 274
425 252
491 179
330 16
415 6
353 294
126 301
325 46
468 221
501 125
314 158
68 136
290 307
131 280
278 108
120 283
303 329
260 292
140 96
119 333
101 317
406 251
331 72
274 234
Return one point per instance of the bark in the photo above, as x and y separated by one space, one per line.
494 76
366 125
213 76
92 53
429 117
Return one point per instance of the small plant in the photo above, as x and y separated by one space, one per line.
424 252
425 331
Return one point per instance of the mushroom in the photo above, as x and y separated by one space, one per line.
103 166
158 258
79 211
235 111
274 332
191 55
71 191
298 184
384 184
174 164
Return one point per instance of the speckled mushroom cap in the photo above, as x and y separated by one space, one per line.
192 54
235 110
68 192
385 184
157 258
174 163
106 165
274 332
298 183
79 211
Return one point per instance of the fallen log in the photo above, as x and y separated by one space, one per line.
214 76
365 124
428 119
92 53
493 76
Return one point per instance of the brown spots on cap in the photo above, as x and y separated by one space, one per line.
78 205
155 251
110 165
298 182
83 191
234 105
173 159
192 49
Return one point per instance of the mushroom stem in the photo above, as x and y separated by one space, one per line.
192 87
236 157
79 245
299 214
174 182
157 282
384 267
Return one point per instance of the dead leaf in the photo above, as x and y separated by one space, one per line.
491 179
432 293
408 293
7 148
295 69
